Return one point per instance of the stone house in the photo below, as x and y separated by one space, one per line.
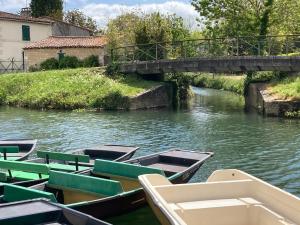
81 47
17 31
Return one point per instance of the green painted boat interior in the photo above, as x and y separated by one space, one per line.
84 183
23 170
63 156
123 169
65 167
9 149
14 193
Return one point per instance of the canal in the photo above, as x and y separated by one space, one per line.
265 147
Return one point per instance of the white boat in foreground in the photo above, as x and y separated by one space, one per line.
229 197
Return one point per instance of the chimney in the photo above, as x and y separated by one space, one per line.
25 12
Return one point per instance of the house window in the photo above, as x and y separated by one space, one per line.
26 33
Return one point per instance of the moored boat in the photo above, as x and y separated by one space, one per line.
229 197
110 189
38 212
117 153
16 149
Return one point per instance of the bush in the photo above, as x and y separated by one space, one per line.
69 62
91 61
49 64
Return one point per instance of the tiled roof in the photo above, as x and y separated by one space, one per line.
68 42
15 17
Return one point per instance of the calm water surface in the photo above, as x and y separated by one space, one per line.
265 147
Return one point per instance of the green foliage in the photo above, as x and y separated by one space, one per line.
222 82
288 88
69 62
145 30
52 8
293 114
78 18
248 18
112 69
91 61
49 64
70 89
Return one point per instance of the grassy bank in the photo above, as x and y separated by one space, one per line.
221 82
70 89
288 88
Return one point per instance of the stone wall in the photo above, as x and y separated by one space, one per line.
158 97
259 99
64 29
34 57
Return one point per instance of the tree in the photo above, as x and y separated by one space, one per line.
52 8
78 18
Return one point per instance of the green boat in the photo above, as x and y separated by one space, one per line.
16 149
110 189
28 173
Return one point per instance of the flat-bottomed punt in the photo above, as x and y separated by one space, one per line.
116 153
229 197
41 212
16 149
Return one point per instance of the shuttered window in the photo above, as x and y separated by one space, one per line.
26 33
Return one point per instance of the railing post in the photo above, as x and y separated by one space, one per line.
156 51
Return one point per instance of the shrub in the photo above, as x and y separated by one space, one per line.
91 61
49 64
69 62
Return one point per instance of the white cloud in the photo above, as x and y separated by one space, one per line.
12 5
102 13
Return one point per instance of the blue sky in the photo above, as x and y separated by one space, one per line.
104 10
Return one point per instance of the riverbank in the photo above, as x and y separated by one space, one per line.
71 89
271 93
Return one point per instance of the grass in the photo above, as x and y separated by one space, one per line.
288 88
222 82
70 89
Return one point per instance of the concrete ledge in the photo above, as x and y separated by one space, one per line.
259 99
157 97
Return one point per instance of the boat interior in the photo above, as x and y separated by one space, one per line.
229 197
61 161
108 152
125 173
41 212
64 188
16 149
172 161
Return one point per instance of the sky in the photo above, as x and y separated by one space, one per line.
103 10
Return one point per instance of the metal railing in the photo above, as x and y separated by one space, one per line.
10 66
217 47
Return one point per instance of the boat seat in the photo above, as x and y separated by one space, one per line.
65 167
61 180
123 169
24 170
14 193
4 150
217 203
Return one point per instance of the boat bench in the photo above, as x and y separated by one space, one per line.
8 149
83 183
27 167
63 157
105 167
14 193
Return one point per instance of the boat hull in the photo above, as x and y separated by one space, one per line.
128 201
26 147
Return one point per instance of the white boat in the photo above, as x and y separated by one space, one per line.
229 197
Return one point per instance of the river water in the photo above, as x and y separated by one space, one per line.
268 148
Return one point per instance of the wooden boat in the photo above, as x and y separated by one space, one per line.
117 153
38 212
16 149
229 197
178 165
92 193
31 172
